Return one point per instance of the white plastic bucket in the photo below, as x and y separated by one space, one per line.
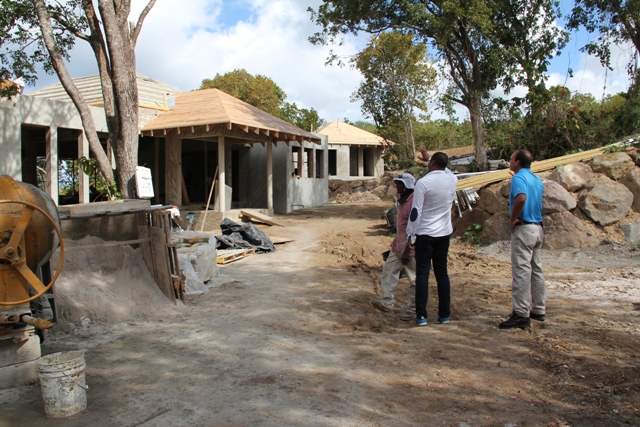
63 384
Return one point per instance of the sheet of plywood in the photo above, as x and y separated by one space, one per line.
278 240
260 217
161 268
104 207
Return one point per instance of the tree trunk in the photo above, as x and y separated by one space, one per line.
76 97
475 114
125 91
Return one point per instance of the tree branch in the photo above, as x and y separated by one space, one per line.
138 26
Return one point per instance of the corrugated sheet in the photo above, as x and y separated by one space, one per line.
151 93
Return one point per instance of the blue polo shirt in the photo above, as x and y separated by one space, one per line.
525 182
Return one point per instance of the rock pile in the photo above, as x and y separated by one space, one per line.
583 203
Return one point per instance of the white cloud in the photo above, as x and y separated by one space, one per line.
182 43
589 76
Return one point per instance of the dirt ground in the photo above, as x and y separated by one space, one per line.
289 339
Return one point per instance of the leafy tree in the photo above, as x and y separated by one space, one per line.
263 93
369 127
259 91
615 22
527 32
468 35
301 117
396 85
39 31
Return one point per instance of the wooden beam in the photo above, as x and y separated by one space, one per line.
260 217
543 165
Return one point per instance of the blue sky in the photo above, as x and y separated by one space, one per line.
180 46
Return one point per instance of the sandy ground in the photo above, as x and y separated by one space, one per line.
289 339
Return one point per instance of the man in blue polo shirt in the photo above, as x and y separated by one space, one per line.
527 235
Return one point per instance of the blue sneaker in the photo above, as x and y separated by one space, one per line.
421 321
443 320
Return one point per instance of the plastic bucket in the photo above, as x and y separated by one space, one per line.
62 383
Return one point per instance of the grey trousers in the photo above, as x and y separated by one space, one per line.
390 276
527 288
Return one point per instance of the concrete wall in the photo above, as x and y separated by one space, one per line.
37 112
307 192
50 116
346 163
289 192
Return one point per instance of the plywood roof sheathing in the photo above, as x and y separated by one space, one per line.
211 107
340 133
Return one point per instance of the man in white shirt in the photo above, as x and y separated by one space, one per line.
429 231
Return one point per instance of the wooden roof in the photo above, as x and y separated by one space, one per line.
151 94
212 112
341 133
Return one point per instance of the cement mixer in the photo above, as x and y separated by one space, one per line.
29 235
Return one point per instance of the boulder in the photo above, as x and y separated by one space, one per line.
370 184
635 156
632 181
460 224
605 201
573 176
391 191
496 228
360 189
564 230
556 198
614 165
505 190
334 184
386 180
491 199
381 191
631 232
343 188
356 183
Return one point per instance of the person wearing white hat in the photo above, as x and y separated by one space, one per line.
401 257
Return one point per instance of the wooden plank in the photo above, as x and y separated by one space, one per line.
225 257
278 240
105 245
541 166
104 207
260 217
143 233
160 253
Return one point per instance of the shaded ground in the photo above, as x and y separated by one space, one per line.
289 338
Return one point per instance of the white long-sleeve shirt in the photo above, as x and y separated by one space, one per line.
432 203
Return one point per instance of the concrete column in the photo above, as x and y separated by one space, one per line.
52 164
173 170
221 175
156 170
83 179
360 161
270 176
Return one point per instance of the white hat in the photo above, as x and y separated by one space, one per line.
407 179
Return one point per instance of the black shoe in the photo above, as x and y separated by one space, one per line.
515 321
538 317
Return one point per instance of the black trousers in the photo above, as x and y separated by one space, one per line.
432 249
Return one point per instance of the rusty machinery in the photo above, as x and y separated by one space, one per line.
29 235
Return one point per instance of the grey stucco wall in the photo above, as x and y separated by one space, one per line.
289 192
343 160
34 111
